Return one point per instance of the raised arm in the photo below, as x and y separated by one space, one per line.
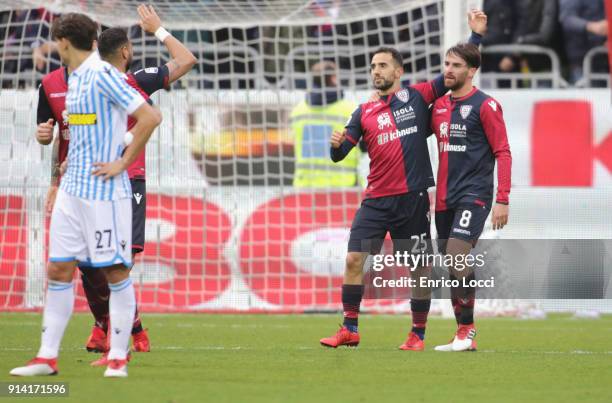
182 59
431 90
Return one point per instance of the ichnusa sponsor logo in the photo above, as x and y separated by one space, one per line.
446 147
396 134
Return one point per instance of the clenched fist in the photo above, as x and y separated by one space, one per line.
337 139
44 132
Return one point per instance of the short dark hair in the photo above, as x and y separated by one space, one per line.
110 41
79 29
395 54
468 52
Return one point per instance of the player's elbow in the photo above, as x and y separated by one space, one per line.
191 61
156 117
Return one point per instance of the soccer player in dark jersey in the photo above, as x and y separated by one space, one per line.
395 130
471 136
115 47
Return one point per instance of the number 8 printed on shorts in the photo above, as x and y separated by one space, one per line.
466 216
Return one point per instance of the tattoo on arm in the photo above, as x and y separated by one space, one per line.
55 164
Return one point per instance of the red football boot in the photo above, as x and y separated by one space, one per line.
97 341
116 369
343 337
413 343
140 342
103 361
36 367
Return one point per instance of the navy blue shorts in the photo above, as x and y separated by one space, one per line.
406 217
465 222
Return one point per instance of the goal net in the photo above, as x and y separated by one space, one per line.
227 226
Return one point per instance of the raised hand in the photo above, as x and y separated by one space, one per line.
149 20
477 20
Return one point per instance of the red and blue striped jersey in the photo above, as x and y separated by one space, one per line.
471 135
395 130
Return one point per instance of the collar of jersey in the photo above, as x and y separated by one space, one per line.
466 96
87 63
391 95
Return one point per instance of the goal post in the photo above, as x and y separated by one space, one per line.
227 229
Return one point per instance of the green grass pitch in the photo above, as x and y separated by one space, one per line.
277 358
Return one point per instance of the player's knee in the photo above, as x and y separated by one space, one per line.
116 274
354 262
60 271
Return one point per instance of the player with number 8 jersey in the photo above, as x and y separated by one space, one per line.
471 136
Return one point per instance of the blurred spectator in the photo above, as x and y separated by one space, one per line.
585 26
536 23
24 29
43 54
500 30
521 22
323 9
312 122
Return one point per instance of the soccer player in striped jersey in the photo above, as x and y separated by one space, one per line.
92 216
115 48
51 111
471 136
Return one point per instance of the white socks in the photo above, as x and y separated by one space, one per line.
122 306
57 312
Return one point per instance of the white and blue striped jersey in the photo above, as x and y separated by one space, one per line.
98 103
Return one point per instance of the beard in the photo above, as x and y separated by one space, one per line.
456 84
384 86
128 63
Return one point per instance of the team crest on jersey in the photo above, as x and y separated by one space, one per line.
444 130
465 111
384 120
402 95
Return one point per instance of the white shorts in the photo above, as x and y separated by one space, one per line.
96 233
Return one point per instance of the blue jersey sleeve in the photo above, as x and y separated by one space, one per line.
114 87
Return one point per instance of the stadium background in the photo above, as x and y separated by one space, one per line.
226 230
